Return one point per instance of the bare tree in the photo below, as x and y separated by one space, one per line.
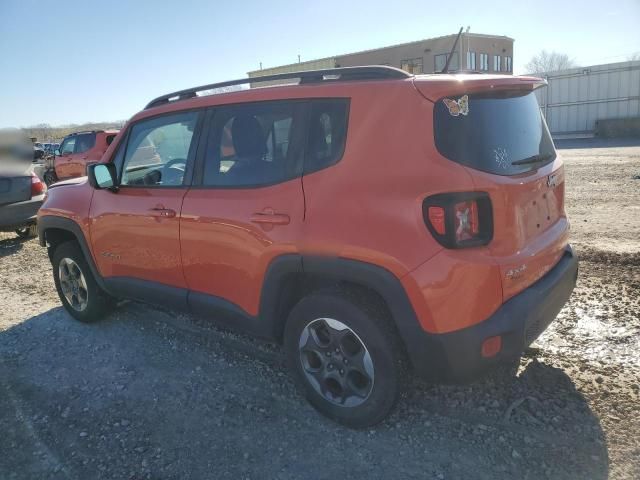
634 56
40 131
549 62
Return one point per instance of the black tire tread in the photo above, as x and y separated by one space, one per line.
378 317
100 302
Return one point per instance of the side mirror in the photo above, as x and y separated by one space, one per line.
103 176
56 152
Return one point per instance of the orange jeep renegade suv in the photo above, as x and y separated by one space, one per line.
76 152
372 221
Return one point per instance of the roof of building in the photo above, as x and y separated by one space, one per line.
483 35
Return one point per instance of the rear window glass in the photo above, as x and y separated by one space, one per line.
491 131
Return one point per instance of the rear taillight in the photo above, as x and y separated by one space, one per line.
38 187
459 220
436 219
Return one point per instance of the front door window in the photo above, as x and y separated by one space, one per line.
157 151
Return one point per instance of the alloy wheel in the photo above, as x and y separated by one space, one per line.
336 362
73 284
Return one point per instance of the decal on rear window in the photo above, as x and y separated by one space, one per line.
457 107
501 157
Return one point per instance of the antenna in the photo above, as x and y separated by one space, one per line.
455 44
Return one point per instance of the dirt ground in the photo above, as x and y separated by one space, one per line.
148 394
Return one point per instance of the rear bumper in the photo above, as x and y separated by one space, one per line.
16 215
519 321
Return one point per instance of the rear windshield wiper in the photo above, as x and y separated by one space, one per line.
533 159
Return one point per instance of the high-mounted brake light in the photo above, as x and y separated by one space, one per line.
38 187
459 220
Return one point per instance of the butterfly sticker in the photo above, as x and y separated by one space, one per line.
457 107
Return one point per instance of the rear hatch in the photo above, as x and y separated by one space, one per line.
14 188
496 131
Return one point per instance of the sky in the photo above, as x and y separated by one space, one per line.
76 61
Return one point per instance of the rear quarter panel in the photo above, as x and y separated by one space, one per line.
368 207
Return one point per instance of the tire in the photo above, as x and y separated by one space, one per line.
50 178
28 231
89 303
341 384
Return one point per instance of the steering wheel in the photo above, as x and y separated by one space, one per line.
173 171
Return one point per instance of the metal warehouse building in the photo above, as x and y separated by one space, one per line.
576 99
475 51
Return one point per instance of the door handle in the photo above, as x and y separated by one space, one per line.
162 212
269 217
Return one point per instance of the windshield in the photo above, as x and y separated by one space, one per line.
492 131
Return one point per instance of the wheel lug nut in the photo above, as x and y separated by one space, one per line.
328 354
341 372
337 350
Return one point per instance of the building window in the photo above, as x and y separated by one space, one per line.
507 64
497 60
412 65
471 60
441 61
484 61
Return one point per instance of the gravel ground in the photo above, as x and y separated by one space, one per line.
151 394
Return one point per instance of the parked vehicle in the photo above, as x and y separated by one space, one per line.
38 153
21 194
373 221
50 148
77 151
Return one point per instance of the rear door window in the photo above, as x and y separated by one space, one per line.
254 144
327 133
502 133
85 142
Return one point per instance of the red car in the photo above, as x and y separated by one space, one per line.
372 221
77 151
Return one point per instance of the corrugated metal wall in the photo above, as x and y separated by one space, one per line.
576 98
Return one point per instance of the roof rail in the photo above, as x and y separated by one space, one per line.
310 76
81 132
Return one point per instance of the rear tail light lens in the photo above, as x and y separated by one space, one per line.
38 187
459 220
466 221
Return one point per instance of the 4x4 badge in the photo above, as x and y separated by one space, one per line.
552 181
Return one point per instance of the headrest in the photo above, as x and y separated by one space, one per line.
248 137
